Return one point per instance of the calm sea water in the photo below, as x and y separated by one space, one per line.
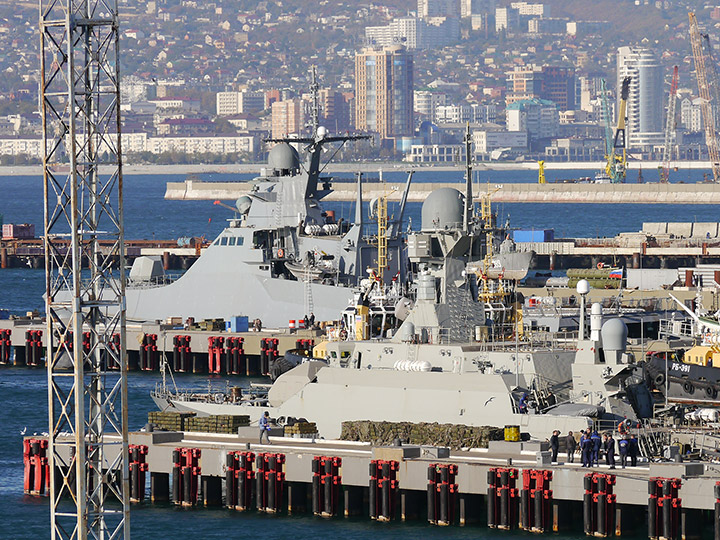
23 399
23 392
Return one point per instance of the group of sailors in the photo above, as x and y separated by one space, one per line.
592 445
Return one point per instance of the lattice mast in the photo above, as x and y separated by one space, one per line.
701 73
87 404
381 213
669 128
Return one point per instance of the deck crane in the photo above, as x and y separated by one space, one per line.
704 88
619 164
664 167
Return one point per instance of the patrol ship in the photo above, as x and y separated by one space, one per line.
283 257
455 353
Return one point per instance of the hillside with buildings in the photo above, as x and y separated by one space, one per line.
208 81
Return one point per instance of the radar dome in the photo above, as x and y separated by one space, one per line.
283 157
614 335
243 204
443 209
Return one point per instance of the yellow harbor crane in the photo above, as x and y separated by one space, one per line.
705 78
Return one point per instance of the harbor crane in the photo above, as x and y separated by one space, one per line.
664 167
615 146
619 164
707 82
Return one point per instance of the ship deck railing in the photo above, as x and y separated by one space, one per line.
158 281
676 328
533 341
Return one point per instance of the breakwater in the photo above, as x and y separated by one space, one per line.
565 192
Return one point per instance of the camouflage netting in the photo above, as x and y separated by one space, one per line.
453 436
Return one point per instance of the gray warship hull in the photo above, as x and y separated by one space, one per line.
330 396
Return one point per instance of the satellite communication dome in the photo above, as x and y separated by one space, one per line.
614 335
243 204
283 157
443 209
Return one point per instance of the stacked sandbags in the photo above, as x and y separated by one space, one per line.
434 434
169 420
221 423
302 430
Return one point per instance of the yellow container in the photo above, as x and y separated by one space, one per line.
512 433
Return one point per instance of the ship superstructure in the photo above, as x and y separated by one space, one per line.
282 257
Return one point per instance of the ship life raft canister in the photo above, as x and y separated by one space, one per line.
512 433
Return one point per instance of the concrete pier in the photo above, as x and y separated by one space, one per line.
28 341
427 483
343 190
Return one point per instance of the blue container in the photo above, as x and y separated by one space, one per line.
535 235
237 324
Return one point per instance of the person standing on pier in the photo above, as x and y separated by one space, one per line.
586 446
609 447
264 423
624 447
570 446
596 444
633 450
555 445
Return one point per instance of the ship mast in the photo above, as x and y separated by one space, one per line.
315 111
468 181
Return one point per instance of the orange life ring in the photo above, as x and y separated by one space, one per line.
600 266
281 253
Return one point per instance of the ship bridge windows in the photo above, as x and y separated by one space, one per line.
228 241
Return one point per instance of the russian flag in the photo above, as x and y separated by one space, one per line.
616 273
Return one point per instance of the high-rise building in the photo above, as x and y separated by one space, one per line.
645 101
228 103
384 91
507 19
468 8
426 101
334 110
414 33
556 84
691 114
535 10
437 8
538 117
287 118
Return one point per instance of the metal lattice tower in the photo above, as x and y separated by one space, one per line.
701 73
87 404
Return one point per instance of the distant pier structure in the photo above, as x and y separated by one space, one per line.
344 190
